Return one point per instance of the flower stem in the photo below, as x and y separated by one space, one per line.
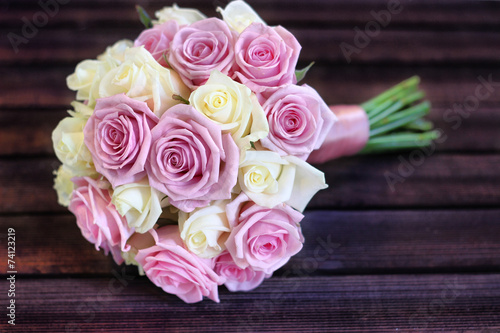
388 94
399 141
419 125
399 119
395 118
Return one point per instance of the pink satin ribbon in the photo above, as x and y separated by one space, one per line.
347 137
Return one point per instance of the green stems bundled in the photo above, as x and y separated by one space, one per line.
395 118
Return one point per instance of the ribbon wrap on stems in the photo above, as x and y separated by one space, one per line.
388 122
348 135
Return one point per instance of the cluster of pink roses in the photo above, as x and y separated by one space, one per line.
188 154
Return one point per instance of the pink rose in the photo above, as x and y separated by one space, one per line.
235 277
190 160
118 135
299 121
157 40
176 270
263 238
97 218
200 48
266 57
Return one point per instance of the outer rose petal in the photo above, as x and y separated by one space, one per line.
235 277
176 270
182 16
239 15
98 219
308 181
294 181
142 78
89 73
157 39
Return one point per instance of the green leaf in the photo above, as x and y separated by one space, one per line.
144 17
180 98
301 73
253 145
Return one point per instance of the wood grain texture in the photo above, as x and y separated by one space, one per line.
424 14
397 180
451 302
28 132
336 242
423 256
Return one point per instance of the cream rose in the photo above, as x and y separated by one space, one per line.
139 203
205 230
183 16
80 110
142 78
233 106
268 179
116 52
67 139
63 185
88 73
239 15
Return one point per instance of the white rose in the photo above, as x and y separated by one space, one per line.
88 73
233 106
239 15
67 140
268 179
139 203
141 77
116 52
205 230
183 16
80 110
63 185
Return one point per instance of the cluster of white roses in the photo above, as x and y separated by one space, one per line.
186 150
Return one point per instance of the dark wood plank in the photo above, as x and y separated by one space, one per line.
440 180
50 245
344 242
482 14
26 185
28 132
44 87
320 45
450 302
457 181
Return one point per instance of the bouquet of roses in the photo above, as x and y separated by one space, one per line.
186 152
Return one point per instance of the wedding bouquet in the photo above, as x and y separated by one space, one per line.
186 152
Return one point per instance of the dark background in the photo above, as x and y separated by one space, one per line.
422 255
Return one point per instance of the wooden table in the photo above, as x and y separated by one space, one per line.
423 255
